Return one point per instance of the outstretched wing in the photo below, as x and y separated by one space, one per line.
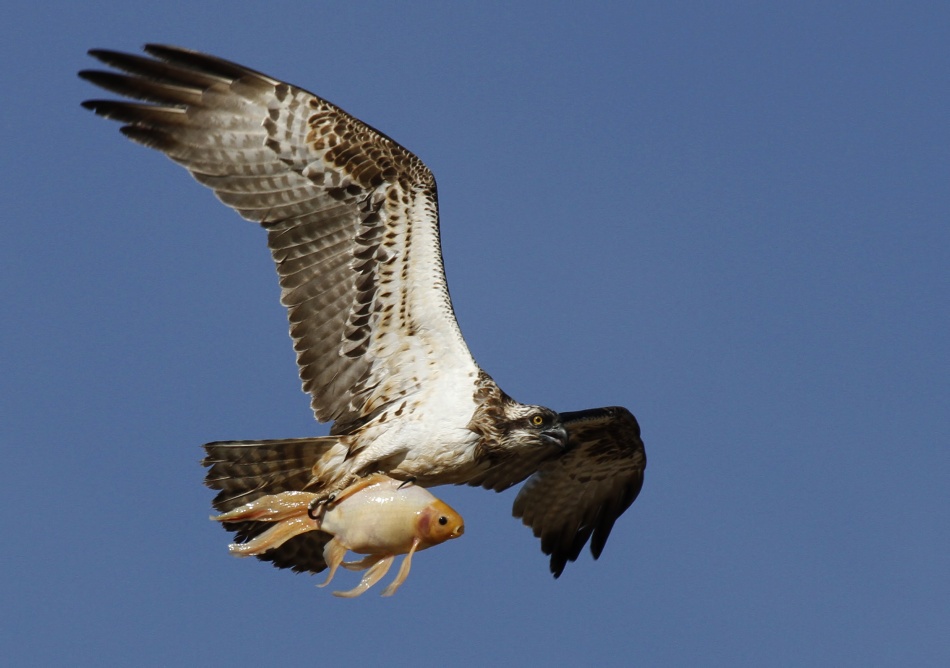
351 219
582 493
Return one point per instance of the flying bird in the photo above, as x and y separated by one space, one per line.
352 224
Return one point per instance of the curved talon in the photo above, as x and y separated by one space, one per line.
312 511
314 507
408 481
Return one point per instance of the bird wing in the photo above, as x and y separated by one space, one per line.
351 219
581 493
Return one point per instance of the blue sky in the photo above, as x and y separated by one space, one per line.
732 220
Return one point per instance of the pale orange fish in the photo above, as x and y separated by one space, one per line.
377 516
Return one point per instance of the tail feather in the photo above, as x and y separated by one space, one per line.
243 471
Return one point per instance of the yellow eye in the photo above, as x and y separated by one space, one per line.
537 420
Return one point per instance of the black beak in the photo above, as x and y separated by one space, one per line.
555 436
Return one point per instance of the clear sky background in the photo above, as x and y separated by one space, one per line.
733 218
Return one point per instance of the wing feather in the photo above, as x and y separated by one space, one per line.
351 219
578 496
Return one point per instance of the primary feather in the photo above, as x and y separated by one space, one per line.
352 224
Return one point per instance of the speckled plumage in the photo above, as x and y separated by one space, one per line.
352 224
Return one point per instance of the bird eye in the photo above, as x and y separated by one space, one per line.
537 420
443 520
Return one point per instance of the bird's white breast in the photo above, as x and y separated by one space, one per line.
430 440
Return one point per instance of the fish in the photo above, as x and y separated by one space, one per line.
377 516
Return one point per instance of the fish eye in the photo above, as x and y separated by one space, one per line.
537 420
443 520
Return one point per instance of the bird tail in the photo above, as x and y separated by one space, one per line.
243 471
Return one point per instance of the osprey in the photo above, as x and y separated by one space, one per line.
352 224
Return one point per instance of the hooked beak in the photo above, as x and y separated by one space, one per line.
556 436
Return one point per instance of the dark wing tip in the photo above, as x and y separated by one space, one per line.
609 516
201 62
577 497
102 54
104 108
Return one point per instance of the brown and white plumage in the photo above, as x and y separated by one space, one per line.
352 223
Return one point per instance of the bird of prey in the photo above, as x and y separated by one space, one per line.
352 224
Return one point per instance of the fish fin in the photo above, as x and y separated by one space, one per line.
274 537
371 577
403 571
333 554
363 563
270 508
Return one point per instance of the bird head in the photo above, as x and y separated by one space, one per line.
538 425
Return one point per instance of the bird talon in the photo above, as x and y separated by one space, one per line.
316 506
411 480
312 510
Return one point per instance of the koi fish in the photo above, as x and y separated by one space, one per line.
377 516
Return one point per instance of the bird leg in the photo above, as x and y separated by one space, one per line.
350 485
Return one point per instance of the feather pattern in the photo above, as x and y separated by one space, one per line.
351 219
352 224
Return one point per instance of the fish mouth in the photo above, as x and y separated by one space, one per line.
556 436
